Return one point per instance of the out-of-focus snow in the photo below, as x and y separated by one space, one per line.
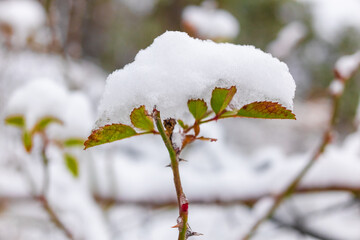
347 65
36 100
73 202
287 39
24 17
208 22
45 98
331 18
176 68
336 87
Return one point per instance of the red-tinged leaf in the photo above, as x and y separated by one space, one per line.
16 120
221 98
197 108
141 119
109 133
271 110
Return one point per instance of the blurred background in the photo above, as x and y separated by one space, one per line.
55 56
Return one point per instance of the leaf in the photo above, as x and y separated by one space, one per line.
109 133
198 108
73 142
15 120
27 140
140 119
71 164
265 109
182 124
44 122
220 99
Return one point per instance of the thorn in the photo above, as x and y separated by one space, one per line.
175 226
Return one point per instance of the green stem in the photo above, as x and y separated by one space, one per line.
181 198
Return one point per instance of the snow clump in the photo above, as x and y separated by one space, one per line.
207 22
176 68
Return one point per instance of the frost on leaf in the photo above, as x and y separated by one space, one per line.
109 133
265 109
16 120
197 108
220 99
72 164
141 119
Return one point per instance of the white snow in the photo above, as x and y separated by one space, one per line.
36 100
43 98
25 17
207 22
347 65
176 68
287 39
336 87
331 18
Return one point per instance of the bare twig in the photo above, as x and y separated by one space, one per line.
45 203
291 187
302 229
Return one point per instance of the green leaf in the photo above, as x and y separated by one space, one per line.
72 164
182 124
15 120
198 108
265 109
140 119
109 133
220 99
27 140
44 122
73 142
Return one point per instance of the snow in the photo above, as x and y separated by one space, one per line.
176 68
77 118
336 87
177 140
25 17
207 22
347 65
331 18
36 100
43 98
287 39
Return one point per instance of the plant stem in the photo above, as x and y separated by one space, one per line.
291 188
45 203
181 198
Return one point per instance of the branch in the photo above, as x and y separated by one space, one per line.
181 198
289 190
45 203
302 229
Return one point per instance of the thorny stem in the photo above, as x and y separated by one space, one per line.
291 188
181 198
45 203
